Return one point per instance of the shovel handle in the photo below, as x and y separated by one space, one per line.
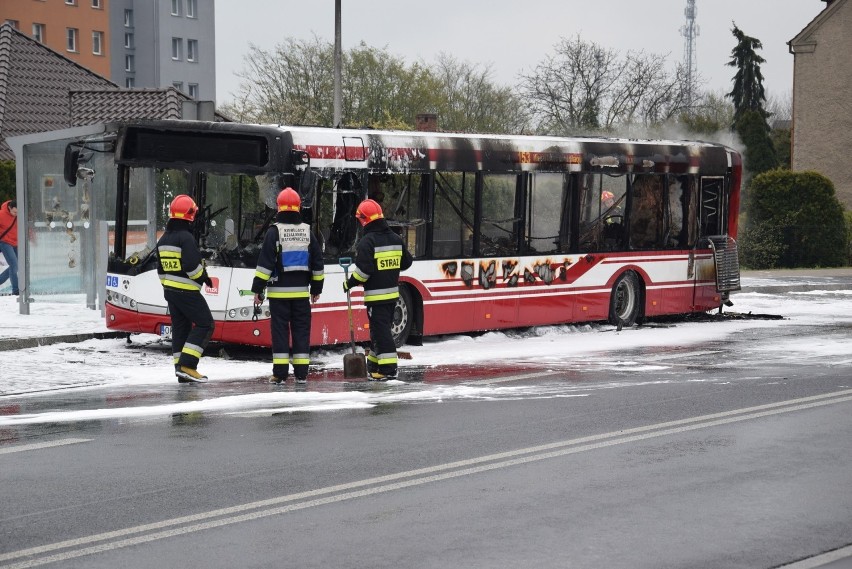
345 262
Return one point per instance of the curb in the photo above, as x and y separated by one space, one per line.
23 343
778 289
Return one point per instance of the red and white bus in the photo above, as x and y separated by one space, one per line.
506 231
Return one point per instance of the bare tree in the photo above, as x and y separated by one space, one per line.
471 102
586 86
565 90
382 91
780 107
293 84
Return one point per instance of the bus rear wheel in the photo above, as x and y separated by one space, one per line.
403 317
625 300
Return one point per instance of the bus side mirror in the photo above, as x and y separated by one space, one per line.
300 158
69 170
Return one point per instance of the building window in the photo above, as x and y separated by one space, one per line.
38 33
129 82
175 7
177 48
128 41
72 39
129 63
13 23
193 90
97 43
97 4
128 18
192 50
191 8
178 85
71 2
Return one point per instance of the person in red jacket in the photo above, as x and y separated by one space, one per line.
9 243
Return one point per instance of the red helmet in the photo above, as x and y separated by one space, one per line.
183 207
368 210
289 200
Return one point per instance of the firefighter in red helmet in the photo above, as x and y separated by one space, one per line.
290 268
182 274
380 256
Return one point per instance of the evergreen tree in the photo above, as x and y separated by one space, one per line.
749 97
759 151
748 93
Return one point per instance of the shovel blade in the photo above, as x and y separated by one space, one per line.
354 365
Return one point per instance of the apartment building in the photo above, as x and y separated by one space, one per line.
77 29
134 43
164 43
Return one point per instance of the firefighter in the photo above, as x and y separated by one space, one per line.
380 257
290 268
182 273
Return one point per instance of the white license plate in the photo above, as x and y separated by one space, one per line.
165 331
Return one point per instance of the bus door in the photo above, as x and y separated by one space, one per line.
711 227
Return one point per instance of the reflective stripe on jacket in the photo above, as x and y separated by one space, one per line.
380 257
290 264
180 266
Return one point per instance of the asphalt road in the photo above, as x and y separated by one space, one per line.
707 457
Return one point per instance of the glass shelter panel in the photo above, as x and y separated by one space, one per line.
62 219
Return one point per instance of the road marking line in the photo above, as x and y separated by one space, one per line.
37 446
821 560
416 477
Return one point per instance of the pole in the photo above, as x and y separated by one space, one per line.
338 57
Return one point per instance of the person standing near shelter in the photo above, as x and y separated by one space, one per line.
380 257
9 243
290 268
182 273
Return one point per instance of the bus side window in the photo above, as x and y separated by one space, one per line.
546 209
499 218
452 231
681 204
613 199
711 220
403 206
602 203
646 211
590 210
344 228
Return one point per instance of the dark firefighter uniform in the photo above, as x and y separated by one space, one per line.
380 257
290 267
182 274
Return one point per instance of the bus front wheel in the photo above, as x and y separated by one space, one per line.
403 317
624 302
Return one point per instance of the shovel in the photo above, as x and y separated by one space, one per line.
354 364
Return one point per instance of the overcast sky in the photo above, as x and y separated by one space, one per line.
513 36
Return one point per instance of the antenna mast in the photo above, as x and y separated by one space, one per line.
690 31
